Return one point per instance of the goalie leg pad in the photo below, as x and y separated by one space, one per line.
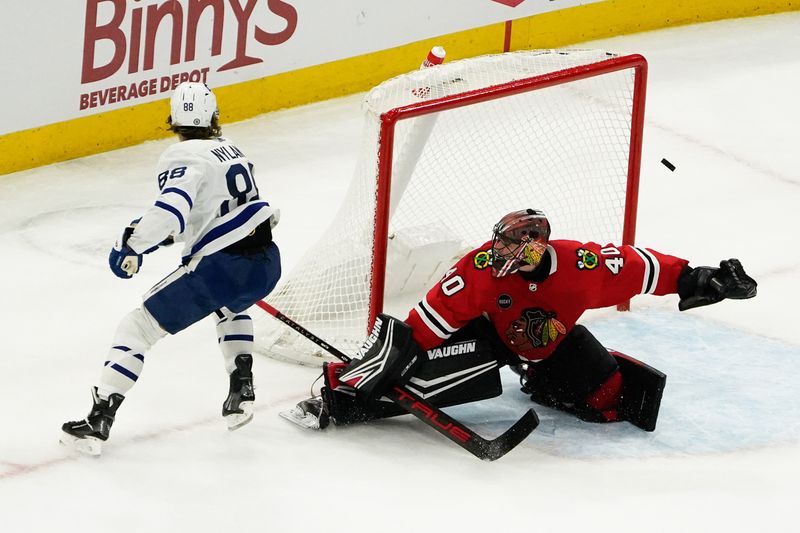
580 378
464 369
642 389
389 356
577 368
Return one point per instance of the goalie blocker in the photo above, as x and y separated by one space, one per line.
465 369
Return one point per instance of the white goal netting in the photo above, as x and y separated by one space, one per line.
547 129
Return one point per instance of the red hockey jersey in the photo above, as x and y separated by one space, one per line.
533 315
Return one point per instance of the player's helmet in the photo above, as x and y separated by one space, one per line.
520 238
192 104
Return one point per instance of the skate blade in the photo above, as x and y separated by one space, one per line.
237 420
297 416
87 445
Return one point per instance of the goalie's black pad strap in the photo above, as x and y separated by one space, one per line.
642 389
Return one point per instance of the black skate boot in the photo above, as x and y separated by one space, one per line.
238 407
88 435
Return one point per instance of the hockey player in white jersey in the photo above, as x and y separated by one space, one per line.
209 201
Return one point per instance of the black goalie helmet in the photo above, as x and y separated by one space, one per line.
519 239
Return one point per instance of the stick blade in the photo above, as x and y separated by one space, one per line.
490 450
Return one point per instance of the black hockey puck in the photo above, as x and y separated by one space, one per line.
669 165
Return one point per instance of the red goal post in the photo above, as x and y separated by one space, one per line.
446 152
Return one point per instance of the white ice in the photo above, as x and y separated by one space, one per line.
722 106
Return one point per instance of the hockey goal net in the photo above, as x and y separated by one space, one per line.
446 152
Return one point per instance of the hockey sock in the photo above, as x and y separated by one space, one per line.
135 335
235 336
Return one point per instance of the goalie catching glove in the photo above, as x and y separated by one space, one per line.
389 356
707 285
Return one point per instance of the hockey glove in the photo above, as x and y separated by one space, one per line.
706 285
122 260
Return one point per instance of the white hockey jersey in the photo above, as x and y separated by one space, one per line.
208 199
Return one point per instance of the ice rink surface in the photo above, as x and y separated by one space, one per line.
722 106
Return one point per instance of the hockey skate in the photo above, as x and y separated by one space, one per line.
87 435
238 407
310 414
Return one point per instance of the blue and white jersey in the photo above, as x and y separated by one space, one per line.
208 199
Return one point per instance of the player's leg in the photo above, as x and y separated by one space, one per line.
135 335
225 284
235 336
254 270
187 295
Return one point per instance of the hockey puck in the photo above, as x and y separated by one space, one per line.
669 165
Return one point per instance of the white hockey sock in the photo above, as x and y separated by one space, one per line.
136 334
235 336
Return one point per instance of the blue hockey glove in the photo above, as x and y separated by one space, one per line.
122 260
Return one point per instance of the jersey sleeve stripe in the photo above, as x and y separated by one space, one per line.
651 270
435 323
436 316
431 326
180 192
175 212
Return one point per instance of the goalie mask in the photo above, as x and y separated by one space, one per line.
192 104
519 239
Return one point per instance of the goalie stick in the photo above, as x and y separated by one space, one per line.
485 449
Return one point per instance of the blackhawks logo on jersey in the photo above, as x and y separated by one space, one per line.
482 260
535 328
587 260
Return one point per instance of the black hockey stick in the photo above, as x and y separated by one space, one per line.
485 449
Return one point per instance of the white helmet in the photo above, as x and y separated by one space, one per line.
193 104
